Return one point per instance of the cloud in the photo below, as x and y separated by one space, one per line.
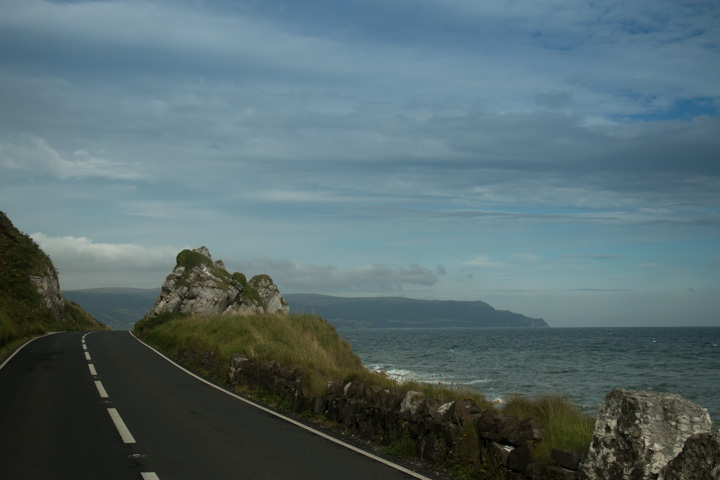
554 100
36 158
599 290
594 256
294 277
482 261
83 263
650 265
526 257
356 140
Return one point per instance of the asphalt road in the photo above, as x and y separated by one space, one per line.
59 394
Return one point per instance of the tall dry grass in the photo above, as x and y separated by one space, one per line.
304 341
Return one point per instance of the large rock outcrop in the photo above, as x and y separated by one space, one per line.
638 433
199 286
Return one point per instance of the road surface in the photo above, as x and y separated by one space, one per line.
104 406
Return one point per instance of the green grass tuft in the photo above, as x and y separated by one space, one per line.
404 447
240 278
565 426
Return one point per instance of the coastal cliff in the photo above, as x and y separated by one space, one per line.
199 286
400 312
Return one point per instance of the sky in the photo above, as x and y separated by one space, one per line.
559 159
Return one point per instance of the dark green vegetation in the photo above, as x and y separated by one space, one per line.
118 308
398 312
311 345
23 312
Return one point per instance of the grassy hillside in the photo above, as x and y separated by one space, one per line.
23 312
304 341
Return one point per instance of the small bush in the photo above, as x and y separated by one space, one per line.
190 260
404 447
251 296
272 399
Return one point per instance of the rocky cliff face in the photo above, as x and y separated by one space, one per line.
23 261
48 287
31 301
199 286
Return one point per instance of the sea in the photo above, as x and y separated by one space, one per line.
582 364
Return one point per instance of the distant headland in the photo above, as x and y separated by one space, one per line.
400 312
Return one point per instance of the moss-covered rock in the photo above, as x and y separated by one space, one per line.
199 286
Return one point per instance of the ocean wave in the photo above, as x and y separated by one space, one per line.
397 374
479 381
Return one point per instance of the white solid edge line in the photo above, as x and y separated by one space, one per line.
21 347
101 389
288 419
150 476
121 427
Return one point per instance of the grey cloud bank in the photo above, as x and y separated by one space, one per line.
559 159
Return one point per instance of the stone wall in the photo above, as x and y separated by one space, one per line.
442 432
638 435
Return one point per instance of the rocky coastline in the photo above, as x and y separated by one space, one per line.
638 435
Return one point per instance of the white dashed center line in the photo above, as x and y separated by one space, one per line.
114 415
101 389
120 425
